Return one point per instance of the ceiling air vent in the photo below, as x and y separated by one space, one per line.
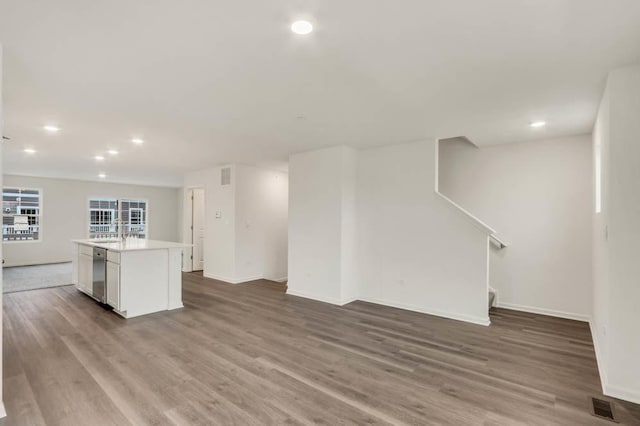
225 176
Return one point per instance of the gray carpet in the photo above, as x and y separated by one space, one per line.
21 278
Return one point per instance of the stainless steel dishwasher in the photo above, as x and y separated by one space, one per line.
100 274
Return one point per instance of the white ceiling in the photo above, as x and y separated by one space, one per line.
209 81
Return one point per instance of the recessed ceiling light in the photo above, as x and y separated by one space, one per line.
302 27
137 141
537 124
30 151
99 157
113 152
51 129
102 175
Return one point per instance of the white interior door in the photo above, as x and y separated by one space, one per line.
197 227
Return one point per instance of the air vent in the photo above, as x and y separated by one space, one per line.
602 409
225 176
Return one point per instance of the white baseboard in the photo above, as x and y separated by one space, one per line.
278 280
320 298
36 263
3 412
247 279
543 311
429 311
596 348
231 280
607 389
624 394
449 315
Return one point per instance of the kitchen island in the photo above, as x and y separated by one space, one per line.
135 276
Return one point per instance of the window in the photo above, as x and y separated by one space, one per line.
21 214
102 217
137 216
107 216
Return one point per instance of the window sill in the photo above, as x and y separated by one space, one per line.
20 241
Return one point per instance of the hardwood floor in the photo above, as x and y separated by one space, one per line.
249 354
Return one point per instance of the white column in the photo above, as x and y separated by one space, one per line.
321 225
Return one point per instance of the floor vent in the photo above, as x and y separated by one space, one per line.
602 409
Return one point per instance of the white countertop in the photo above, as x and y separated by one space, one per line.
132 244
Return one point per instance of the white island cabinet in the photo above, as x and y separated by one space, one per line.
142 276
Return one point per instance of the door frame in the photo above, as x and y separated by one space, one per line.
191 227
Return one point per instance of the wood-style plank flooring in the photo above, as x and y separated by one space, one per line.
249 354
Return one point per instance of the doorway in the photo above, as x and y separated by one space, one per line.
197 229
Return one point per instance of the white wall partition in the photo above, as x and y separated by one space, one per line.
601 299
408 248
538 195
616 236
414 250
321 238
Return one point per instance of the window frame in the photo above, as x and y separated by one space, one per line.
141 218
40 214
112 212
118 210
145 214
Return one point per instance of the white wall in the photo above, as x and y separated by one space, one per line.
617 237
321 202
2 411
416 251
249 239
64 211
601 302
368 225
219 236
261 224
538 197
349 218
65 205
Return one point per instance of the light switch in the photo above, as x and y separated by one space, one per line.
218 214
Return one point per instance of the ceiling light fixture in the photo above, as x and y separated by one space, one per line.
112 152
302 27
51 129
99 157
538 124
102 175
137 141
30 150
